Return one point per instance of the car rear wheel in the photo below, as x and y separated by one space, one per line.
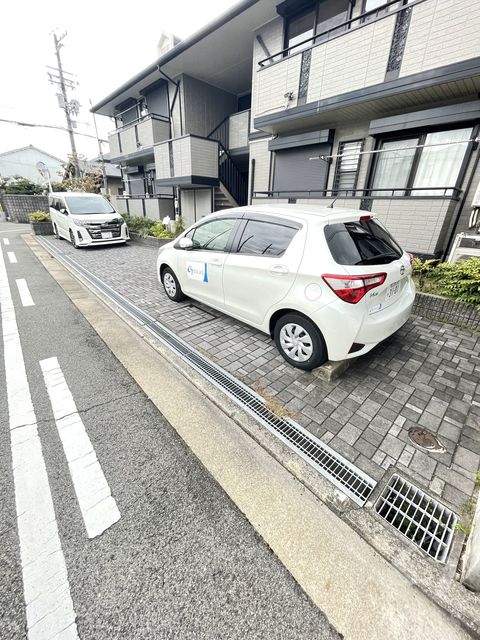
172 286
300 342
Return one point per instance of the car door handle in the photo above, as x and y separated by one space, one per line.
216 262
281 269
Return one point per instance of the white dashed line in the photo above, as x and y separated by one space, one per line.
24 292
12 257
49 606
6 241
98 507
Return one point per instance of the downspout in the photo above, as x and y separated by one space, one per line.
176 191
460 208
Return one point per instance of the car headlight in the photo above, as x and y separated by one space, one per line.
81 223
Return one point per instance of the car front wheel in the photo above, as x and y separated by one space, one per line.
73 240
172 286
300 342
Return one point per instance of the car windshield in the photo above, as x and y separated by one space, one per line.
361 242
88 204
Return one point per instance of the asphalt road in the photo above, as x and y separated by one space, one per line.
182 561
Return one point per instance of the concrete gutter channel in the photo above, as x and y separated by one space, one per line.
364 576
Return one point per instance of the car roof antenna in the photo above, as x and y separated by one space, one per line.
330 206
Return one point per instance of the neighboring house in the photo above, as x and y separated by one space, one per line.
94 166
22 162
365 104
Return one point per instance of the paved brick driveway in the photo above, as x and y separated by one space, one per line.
428 374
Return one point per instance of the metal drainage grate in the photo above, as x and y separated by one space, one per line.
337 469
420 518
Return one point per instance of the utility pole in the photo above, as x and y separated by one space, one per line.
102 159
69 108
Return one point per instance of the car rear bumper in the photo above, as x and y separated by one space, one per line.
349 325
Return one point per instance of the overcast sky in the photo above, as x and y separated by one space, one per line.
107 43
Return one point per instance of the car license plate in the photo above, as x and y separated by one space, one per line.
106 234
394 289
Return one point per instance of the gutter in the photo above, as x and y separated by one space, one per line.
177 50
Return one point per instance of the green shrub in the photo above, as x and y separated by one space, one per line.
23 186
139 225
460 281
158 230
39 216
179 228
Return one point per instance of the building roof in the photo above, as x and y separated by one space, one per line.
230 70
28 148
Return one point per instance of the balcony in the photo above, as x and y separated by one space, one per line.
187 161
418 222
137 139
362 57
155 207
233 131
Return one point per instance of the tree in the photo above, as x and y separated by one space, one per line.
23 186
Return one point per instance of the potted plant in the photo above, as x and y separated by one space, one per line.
41 223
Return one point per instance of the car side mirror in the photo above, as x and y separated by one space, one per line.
64 211
185 243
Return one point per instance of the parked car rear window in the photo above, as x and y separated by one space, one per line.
361 242
265 238
88 204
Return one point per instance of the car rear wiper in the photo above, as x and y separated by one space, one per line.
381 256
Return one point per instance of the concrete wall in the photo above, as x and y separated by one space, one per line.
119 204
353 61
22 162
114 144
18 207
260 153
441 32
238 130
191 156
204 106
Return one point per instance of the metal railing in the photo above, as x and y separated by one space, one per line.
230 176
441 192
334 32
147 116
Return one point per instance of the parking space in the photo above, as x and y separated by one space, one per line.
425 375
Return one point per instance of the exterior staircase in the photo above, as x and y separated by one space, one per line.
223 199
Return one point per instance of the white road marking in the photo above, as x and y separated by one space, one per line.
24 292
98 507
49 606
12 257
6 241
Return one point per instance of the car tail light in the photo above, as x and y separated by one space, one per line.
351 289
364 218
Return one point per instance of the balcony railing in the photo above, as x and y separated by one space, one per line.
232 132
452 193
138 135
389 8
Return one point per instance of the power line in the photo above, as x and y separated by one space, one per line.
48 126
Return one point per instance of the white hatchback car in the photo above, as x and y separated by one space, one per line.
86 219
324 283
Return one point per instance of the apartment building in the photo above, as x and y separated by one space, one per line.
350 103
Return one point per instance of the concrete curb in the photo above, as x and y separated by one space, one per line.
471 560
434 583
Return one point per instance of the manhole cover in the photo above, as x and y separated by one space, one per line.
425 440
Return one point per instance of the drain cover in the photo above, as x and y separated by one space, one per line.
423 520
426 440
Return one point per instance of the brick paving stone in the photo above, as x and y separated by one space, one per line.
427 373
422 464
455 497
467 459
350 434
392 446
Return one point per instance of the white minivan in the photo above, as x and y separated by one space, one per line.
86 219
324 283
